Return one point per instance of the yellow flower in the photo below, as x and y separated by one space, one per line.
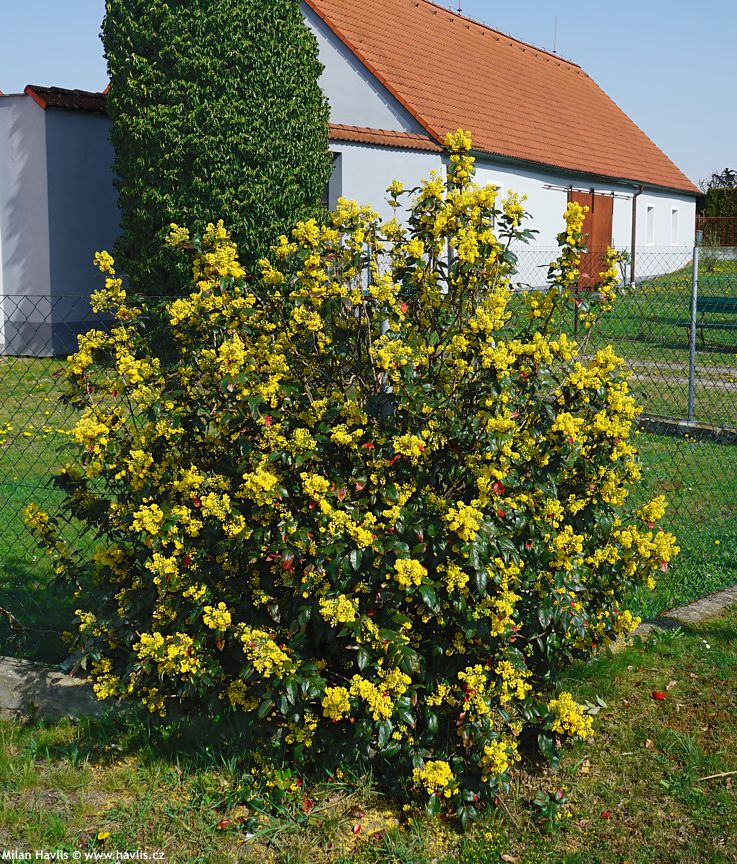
436 777
267 657
464 519
336 703
217 617
338 610
408 572
569 717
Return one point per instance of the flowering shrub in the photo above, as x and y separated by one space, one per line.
372 502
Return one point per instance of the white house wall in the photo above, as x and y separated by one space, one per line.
663 252
546 207
367 171
24 221
356 97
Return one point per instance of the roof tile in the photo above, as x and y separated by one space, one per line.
66 100
383 137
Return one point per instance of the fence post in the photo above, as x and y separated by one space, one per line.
692 334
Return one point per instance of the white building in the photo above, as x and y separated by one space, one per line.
404 73
399 75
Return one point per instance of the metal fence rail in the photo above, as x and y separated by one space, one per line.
681 350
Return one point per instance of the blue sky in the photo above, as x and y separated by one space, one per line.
671 65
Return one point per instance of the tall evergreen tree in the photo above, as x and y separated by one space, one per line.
216 114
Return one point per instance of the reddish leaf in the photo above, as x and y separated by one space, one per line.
224 824
357 829
307 805
606 814
659 695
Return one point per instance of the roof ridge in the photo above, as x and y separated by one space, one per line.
498 32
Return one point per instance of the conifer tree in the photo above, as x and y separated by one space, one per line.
216 114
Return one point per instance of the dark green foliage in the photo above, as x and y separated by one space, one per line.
216 114
721 202
720 192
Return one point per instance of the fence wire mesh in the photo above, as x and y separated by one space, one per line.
674 368
685 380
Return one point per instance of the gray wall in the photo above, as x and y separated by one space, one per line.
58 207
83 215
356 97
25 308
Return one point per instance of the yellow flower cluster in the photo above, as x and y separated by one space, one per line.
105 684
337 610
377 699
497 758
336 703
455 578
173 655
436 778
217 617
569 717
464 520
409 572
267 657
653 511
626 623
148 518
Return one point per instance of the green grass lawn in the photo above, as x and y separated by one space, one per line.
31 416
647 328
635 793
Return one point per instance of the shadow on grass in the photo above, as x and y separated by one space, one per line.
38 609
189 742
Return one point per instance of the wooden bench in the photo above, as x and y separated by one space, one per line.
714 306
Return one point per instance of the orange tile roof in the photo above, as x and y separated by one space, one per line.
518 101
384 137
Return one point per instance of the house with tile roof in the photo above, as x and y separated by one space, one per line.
540 125
399 75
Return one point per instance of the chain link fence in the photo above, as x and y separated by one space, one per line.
675 323
677 334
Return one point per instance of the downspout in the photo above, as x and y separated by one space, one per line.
633 250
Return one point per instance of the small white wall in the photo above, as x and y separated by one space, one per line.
367 171
24 226
83 216
662 252
356 97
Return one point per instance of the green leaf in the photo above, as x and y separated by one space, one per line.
385 730
363 658
429 597
264 708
